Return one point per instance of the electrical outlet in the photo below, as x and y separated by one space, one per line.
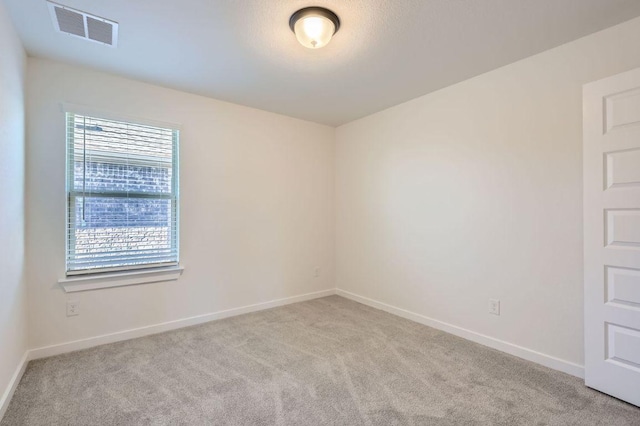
494 306
316 272
73 308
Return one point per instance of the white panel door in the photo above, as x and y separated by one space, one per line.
612 235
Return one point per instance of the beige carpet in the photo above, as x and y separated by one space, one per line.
329 361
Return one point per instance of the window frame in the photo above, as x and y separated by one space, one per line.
145 270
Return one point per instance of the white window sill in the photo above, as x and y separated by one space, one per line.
119 279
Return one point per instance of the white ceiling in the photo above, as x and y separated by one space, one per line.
386 52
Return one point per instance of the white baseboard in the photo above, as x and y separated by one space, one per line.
13 384
510 348
76 345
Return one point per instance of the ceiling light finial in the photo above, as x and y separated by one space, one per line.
314 26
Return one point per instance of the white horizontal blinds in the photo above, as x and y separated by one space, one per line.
122 181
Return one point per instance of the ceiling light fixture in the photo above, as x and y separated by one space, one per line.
314 26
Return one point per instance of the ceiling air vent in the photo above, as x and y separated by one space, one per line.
83 25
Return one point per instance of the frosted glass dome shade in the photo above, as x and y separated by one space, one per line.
314 27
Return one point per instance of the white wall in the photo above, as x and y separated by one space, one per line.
256 205
13 314
475 192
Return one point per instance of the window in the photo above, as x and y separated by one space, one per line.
122 195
